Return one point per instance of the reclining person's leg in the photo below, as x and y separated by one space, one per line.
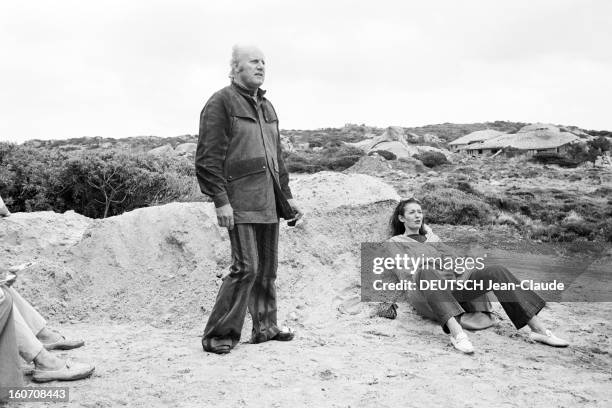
442 302
10 366
520 305
47 366
27 343
446 308
30 316
38 325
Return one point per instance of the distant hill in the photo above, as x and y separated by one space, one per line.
348 133
133 143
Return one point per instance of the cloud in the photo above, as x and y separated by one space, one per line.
118 68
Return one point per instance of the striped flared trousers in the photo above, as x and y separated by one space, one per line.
250 284
520 305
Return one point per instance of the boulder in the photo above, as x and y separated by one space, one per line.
162 150
186 149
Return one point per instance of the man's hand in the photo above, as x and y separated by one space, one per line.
4 212
225 216
298 212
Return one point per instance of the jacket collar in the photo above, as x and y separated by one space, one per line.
248 93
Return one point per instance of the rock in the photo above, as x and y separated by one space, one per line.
327 190
286 144
162 150
386 310
186 149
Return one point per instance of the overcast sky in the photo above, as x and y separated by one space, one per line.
145 67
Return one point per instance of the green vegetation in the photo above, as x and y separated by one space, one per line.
101 177
444 205
431 159
384 153
97 184
576 153
333 155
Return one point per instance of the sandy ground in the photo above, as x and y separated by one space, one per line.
351 361
139 288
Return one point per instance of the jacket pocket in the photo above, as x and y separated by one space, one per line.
242 168
247 184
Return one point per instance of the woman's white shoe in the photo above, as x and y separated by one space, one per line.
462 343
549 339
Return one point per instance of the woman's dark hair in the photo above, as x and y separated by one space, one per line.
396 226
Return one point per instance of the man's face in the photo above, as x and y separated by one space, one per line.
251 68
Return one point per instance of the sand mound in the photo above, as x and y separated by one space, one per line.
40 231
163 265
372 165
139 287
327 190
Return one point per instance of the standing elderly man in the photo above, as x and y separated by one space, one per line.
240 166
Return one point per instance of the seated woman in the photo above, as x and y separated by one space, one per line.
521 306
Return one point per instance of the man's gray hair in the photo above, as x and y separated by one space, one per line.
234 61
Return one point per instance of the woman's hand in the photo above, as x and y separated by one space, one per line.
11 277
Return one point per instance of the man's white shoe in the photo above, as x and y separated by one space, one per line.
549 339
462 343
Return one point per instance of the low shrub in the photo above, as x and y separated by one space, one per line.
384 153
340 163
602 192
297 163
335 156
581 152
431 159
467 188
554 158
451 206
95 184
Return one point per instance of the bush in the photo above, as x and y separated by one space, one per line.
452 206
580 153
467 188
29 178
554 158
601 144
334 156
93 184
384 153
431 159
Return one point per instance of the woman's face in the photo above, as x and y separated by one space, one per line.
412 218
